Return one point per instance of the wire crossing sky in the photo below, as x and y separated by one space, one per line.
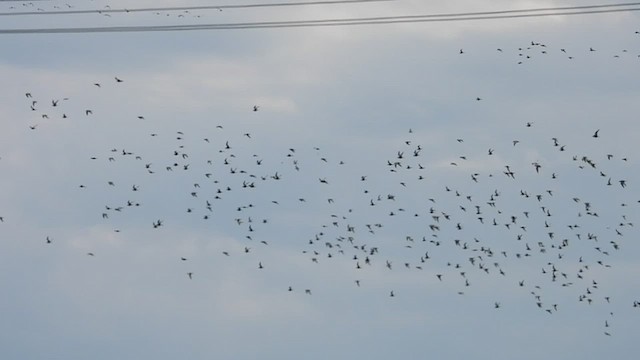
335 2
508 14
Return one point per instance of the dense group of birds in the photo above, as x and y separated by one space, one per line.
105 11
490 222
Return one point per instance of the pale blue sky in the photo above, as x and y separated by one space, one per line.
363 96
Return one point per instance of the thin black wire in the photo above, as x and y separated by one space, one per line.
306 3
302 23
183 8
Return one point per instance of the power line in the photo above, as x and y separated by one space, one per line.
184 8
507 14
305 3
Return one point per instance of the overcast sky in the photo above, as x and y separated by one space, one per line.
377 191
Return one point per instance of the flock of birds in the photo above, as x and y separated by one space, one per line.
486 223
106 11
534 49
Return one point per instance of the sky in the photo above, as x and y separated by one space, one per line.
439 189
